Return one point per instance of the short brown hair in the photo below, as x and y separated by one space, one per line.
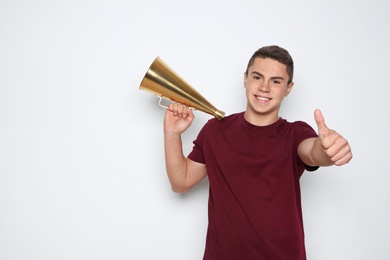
276 53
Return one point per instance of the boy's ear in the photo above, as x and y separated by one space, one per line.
245 78
289 88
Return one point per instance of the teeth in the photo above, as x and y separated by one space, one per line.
263 98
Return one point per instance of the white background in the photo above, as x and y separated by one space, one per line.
82 172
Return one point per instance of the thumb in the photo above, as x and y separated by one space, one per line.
322 128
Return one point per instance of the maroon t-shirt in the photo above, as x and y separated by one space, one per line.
254 200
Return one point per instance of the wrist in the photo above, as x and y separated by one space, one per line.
171 135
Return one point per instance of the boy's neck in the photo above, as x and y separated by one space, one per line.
261 119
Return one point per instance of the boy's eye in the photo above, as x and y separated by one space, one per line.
256 77
276 82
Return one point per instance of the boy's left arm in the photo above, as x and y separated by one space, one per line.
329 148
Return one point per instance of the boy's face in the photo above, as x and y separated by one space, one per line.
266 86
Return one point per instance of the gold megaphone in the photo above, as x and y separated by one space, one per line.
165 83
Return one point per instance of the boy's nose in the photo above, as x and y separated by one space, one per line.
264 87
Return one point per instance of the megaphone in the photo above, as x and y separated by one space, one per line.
165 83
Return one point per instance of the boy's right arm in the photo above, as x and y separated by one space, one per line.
183 173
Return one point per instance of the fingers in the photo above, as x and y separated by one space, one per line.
346 156
337 148
180 110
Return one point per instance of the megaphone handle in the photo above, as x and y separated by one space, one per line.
161 105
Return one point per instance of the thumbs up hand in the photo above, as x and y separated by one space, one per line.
335 146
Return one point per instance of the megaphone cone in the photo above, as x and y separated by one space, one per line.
164 82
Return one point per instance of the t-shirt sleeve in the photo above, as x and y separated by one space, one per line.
197 151
303 132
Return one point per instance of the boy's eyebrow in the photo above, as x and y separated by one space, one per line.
257 73
274 77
